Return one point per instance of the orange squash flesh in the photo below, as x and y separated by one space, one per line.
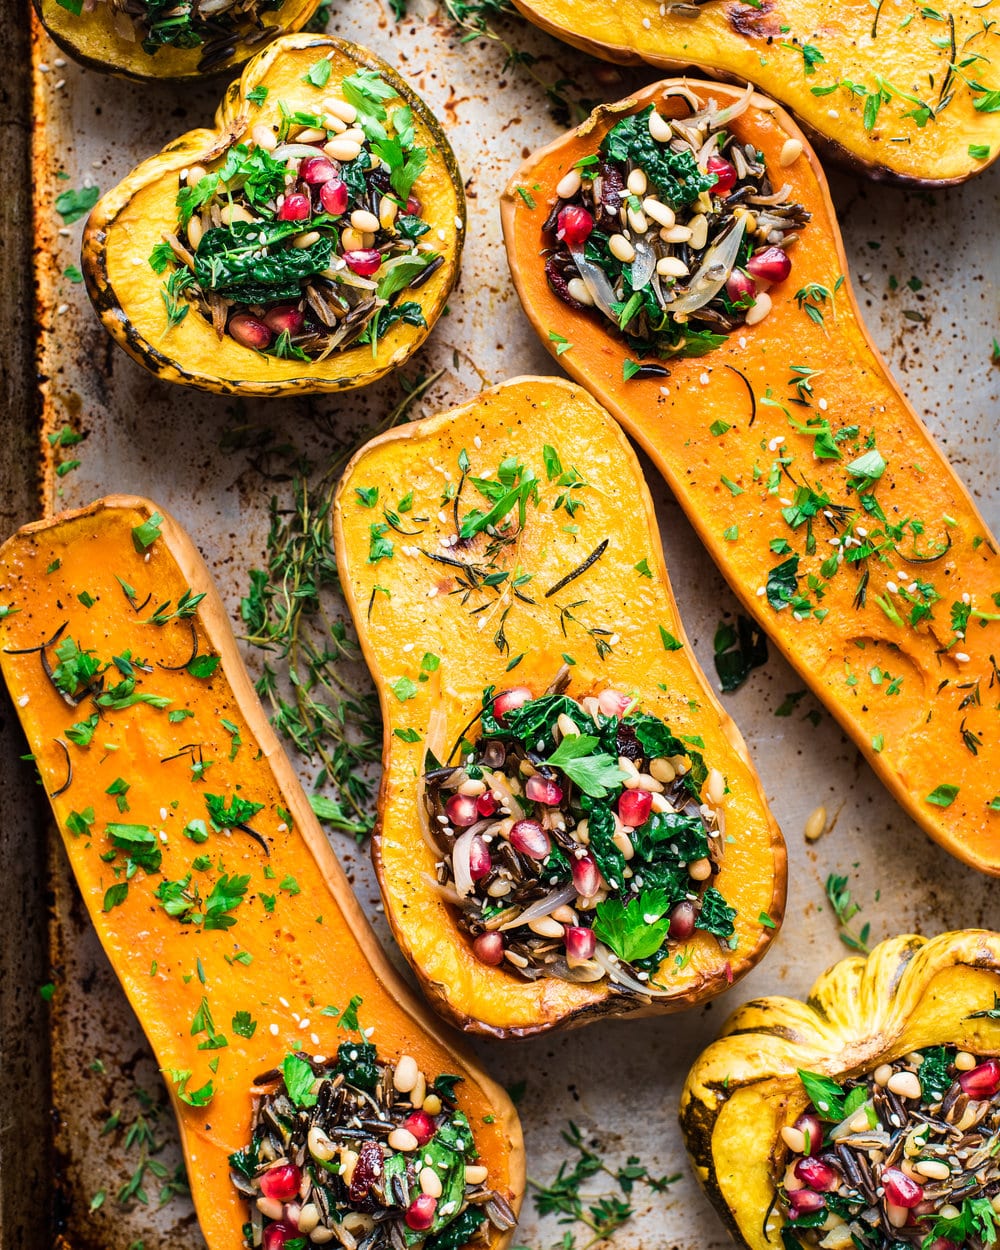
312 949
910 696
868 80
409 606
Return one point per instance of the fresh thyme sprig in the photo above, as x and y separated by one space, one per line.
139 1134
845 909
319 696
603 1214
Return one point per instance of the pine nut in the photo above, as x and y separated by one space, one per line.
637 182
649 784
578 290
264 136
353 240
662 769
195 175
662 214
675 234
564 914
816 824
624 843
364 221
949 1212
968 1118
545 926
308 1218
794 1139
306 239
715 787
627 766
405 1076
637 221
839 1238
514 958
234 212
759 309
858 1123
430 1183
679 764
341 149
321 1236
698 226
499 888
320 1146
933 1168
621 249
659 127
700 869
387 212
897 1215
195 230
310 135
566 726
348 1162
475 1174
432 1104
342 109
790 152
660 804
964 1061
356 1222
474 786
402 1139
905 1084
355 134
882 1074
995 1203
671 267
333 123
418 1094
568 185
582 833
270 1207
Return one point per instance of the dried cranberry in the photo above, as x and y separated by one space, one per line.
368 1172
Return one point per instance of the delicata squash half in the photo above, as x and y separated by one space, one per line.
161 39
316 1098
896 90
679 253
307 243
569 823
866 1117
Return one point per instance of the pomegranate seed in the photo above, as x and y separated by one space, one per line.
580 942
333 196
486 804
805 1201
816 1174
488 949
281 1183
770 265
316 169
363 262
528 837
574 225
367 1172
942 1243
509 700
682 920
741 288
278 1235
284 317
413 206
462 810
586 876
811 1129
420 1213
295 208
634 807
420 1124
613 703
725 174
983 1081
480 861
900 1189
543 790
249 331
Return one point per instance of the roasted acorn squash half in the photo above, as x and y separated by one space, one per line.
214 892
457 600
169 45
894 90
891 1012
815 486
307 243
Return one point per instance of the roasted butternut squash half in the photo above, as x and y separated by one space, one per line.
569 824
815 486
866 1116
899 91
307 243
275 1018
153 39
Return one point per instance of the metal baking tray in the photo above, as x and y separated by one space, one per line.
926 268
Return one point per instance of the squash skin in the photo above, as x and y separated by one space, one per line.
909 993
314 964
517 417
129 220
738 42
91 40
672 426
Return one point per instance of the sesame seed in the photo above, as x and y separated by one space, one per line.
761 592
961 657
273 1029
892 588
